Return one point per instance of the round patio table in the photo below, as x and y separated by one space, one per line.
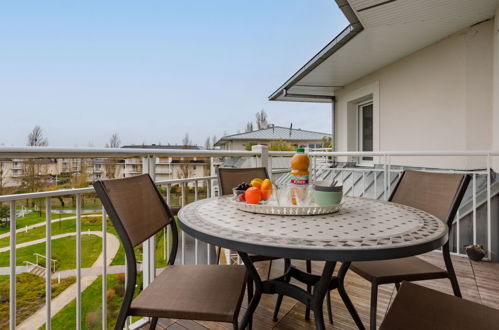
364 229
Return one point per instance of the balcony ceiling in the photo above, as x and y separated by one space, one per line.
389 31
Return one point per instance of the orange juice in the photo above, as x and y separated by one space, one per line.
299 174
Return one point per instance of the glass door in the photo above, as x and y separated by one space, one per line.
365 128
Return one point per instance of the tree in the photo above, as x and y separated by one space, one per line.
114 141
213 140
184 171
3 175
207 144
261 119
4 215
33 168
111 164
280 145
36 138
326 142
186 141
249 127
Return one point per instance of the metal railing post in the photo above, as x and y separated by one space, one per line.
48 256
78 261
12 290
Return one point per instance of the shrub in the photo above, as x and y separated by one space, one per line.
121 277
119 289
110 294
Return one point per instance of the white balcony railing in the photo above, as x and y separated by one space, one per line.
374 182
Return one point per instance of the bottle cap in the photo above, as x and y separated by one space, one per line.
300 150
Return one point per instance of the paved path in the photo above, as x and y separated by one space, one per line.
38 319
40 224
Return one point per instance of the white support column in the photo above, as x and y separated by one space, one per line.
264 160
210 188
148 247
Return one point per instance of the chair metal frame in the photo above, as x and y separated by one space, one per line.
131 261
449 272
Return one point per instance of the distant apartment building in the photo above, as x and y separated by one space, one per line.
168 168
53 172
294 137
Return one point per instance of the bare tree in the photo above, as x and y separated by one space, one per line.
36 138
261 119
33 169
3 175
213 140
114 141
249 127
207 143
186 141
184 171
111 164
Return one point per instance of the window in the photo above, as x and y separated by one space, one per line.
365 129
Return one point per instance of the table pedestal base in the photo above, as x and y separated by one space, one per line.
313 300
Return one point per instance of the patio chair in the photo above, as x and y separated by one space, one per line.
229 178
204 292
439 194
416 307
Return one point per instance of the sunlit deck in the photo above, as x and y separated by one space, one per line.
479 282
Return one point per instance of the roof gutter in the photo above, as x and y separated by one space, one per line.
339 41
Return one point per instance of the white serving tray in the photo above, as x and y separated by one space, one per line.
286 210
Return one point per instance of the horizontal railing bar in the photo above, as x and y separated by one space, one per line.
407 153
354 169
75 191
175 181
62 152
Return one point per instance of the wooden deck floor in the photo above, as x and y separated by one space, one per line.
479 282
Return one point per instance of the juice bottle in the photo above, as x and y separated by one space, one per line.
299 175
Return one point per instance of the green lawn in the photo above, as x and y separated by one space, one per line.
30 294
58 227
69 226
92 304
63 250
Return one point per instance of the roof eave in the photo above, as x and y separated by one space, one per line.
339 41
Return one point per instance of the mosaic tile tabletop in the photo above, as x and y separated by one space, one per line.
360 224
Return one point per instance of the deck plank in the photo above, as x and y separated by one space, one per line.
479 282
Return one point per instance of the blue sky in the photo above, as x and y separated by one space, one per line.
154 70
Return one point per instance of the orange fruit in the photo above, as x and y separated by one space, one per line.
266 194
253 195
266 185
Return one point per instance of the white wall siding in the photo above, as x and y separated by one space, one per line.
439 98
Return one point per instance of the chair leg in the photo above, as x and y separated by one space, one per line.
374 305
309 288
270 268
154 322
450 271
329 308
250 296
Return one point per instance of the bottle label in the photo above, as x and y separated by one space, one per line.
299 180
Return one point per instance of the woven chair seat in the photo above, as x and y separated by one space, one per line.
397 270
201 292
